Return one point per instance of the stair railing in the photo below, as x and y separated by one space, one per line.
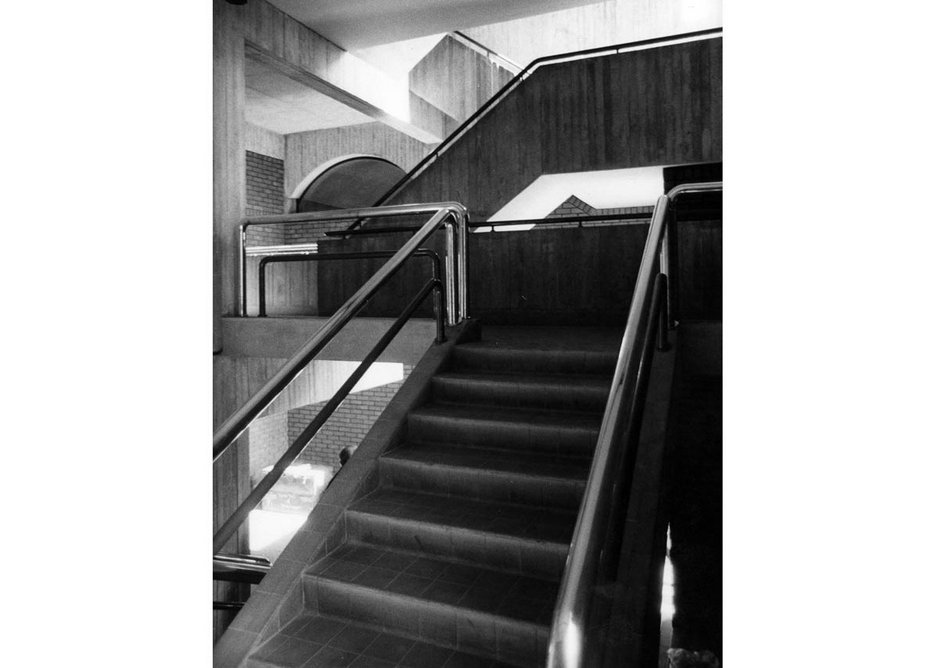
456 223
450 215
520 77
596 543
307 256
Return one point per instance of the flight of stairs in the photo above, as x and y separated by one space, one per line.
455 559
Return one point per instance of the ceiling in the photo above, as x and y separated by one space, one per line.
278 103
355 24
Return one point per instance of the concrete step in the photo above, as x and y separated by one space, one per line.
314 640
486 474
518 358
537 391
549 432
486 612
518 538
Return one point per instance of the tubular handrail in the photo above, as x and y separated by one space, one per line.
227 530
622 415
451 214
240 568
286 249
639 216
315 256
455 223
515 81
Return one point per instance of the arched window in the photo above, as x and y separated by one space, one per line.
348 182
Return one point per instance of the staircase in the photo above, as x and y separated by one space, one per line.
455 558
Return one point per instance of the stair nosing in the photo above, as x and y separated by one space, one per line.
504 413
393 456
481 532
425 601
524 506
521 376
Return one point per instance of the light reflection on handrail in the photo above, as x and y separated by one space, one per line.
582 572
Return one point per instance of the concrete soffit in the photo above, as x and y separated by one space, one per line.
359 86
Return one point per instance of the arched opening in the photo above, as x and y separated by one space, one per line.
348 182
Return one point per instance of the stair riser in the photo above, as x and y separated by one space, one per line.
442 624
520 360
560 440
483 485
551 396
533 558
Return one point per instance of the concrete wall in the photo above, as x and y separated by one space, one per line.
660 106
596 24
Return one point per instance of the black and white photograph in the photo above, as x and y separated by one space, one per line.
504 372
468 375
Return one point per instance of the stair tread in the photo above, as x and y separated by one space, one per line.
520 377
591 339
499 460
314 639
511 414
550 525
459 584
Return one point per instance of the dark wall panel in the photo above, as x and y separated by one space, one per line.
554 276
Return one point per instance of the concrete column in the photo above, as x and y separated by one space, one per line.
228 198
229 185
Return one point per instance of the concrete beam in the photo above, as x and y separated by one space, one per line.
281 42
282 337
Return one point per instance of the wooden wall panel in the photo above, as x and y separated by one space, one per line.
654 107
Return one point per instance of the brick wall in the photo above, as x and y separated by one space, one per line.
347 426
264 196
574 206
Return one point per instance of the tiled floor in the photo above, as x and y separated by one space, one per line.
471 515
493 459
319 641
442 581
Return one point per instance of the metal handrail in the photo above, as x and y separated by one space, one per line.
622 414
246 568
515 81
373 231
451 214
227 530
455 223
285 249
310 256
